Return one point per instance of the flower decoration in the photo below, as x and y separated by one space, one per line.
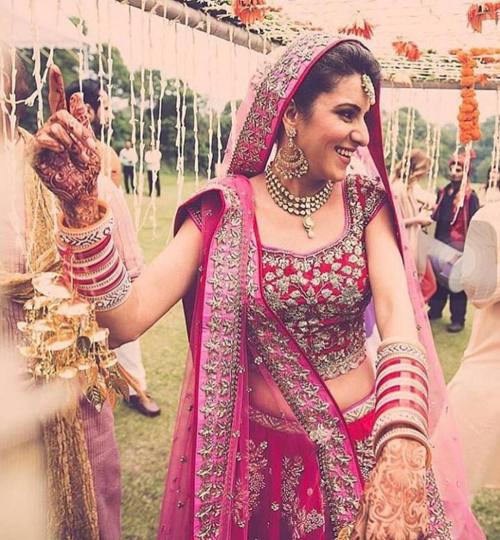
468 115
359 27
409 49
61 338
483 11
249 11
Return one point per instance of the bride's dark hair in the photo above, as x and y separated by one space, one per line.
347 58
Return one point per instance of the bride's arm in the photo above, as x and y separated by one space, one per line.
159 287
393 308
394 502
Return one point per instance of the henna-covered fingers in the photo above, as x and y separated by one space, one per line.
44 141
78 109
74 128
57 98
57 132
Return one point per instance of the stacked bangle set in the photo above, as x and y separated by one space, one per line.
93 263
401 391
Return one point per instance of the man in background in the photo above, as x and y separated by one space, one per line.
128 159
152 159
452 223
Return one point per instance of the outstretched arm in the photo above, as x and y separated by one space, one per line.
65 155
159 287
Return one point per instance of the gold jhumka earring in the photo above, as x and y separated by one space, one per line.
290 161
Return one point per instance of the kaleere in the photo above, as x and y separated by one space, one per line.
61 338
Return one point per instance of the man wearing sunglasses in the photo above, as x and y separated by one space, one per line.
452 222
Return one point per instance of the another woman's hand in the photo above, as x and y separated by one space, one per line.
64 154
394 503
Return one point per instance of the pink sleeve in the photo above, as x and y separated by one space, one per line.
124 233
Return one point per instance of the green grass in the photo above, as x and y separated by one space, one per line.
144 443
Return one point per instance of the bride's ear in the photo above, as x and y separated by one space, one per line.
290 117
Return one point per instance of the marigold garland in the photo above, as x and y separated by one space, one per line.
249 11
468 115
483 11
409 49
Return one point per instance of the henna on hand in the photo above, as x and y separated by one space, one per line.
394 503
64 154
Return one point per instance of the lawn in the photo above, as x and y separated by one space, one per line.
144 443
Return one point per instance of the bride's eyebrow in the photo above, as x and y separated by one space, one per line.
348 104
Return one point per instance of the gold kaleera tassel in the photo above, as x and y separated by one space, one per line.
61 338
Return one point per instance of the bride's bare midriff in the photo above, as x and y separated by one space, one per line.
346 389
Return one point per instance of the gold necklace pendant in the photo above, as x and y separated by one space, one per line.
295 205
308 224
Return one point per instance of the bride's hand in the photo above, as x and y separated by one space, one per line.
64 154
394 503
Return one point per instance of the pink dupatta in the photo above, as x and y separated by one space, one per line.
210 446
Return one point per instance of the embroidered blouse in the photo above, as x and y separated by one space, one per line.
321 297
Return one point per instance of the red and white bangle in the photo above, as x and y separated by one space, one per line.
93 263
401 390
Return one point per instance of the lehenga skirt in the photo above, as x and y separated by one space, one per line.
286 500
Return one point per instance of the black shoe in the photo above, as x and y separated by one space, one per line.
146 406
454 327
434 316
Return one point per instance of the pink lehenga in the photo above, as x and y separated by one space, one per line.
261 449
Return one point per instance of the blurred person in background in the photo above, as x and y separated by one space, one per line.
99 111
414 216
452 222
128 159
475 389
152 158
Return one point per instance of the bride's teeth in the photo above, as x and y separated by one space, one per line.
345 153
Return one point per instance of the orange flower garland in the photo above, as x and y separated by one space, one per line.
468 115
249 11
483 11
409 49
360 27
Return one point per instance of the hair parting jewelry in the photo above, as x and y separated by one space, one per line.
290 161
298 206
368 88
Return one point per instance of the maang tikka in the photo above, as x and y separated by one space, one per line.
290 161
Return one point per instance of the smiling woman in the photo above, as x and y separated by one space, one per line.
283 413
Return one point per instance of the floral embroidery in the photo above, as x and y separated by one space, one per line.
439 525
311 409
221 368
256 482
322 297
284 425
301 521
366 457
